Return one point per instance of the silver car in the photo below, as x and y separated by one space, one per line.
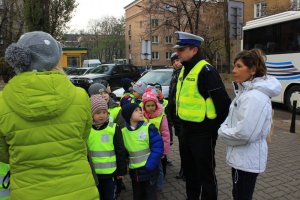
161 76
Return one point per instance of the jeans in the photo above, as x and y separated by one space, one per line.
160 178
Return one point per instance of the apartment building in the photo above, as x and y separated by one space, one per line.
255 9
144 20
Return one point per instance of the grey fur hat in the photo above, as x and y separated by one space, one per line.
34 51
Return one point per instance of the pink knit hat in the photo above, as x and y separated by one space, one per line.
98 103
149 95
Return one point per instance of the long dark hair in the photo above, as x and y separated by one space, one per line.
253 58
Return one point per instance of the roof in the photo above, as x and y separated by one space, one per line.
272 19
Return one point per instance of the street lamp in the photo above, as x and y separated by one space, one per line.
150 29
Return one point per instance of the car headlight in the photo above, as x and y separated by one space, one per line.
90 81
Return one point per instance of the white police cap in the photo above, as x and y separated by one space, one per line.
185 39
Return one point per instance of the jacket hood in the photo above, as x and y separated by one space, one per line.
268 85
39 95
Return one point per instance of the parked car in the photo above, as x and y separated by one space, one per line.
112 73
73 72
91 63
161 76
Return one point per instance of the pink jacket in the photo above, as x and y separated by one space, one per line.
164 128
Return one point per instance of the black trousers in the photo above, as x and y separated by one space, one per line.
145 190
107 189
243 184
178 133
199 166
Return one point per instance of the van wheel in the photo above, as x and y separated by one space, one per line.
293 94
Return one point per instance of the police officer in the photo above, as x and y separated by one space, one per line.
202 104
171 109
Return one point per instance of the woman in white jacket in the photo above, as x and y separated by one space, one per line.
249 121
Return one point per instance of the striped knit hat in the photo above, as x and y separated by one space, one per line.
98 103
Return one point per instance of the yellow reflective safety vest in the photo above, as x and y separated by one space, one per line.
156 121
190 105
101 147
137 144
113 112
4 193
165 103
129 94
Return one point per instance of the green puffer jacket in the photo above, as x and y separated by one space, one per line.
44 122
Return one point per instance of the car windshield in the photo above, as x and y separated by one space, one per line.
102 69
161 77
77 71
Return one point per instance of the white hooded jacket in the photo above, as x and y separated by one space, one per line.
248 123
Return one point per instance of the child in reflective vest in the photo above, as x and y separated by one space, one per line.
138 90
154 113
4 181
145 148
114 108
106 148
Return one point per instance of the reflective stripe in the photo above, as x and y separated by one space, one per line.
4 193
111 124
138 159
102 153
105 165
2 178
139 153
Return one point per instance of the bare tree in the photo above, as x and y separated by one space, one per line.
200 17
105 38
11 24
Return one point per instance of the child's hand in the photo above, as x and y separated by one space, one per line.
120 177
163 156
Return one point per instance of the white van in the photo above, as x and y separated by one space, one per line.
91 63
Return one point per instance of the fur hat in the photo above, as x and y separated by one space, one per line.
97 103
34 51
140 87
127 111
96 88
149 95
126 84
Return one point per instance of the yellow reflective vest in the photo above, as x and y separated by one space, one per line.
190 105
137 144
113 112
4 193
156 121
101 147
129 94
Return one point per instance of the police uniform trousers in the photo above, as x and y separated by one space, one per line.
199 164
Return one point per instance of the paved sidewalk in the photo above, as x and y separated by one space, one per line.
280 181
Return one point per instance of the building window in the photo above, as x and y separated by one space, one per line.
169 39
1 2
168 55
129 47
295 4
154 23
155 39
260 10
141 24
168 23
155 55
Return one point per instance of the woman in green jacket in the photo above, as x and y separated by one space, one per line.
44 124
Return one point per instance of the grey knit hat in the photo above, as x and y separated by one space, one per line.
96 88
34 51
140 87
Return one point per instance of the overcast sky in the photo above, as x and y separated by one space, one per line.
96 9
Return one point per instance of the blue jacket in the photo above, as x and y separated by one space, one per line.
157 148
